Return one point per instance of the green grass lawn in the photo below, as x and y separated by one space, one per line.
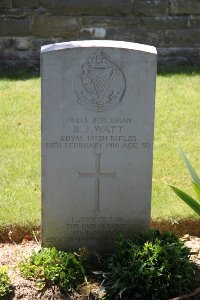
20 151
177 122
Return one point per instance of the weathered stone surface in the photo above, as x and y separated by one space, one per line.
184 7
150 7
152 37
178 56
5 3
26 43
182 37
14 13
138 21
194 21
37 43
23 43
96 7
25 3
106 21
92 32
54 26
19 58
14 27
7 43
165 22
131 20
97 140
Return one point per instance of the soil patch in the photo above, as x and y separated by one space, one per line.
12 254
22 241
16 233
180 227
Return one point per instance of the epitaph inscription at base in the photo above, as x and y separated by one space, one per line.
97 142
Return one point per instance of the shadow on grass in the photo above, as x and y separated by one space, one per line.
163 70
172 69
19 73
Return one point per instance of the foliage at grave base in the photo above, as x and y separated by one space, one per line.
193 203
50 267
4 283
150 266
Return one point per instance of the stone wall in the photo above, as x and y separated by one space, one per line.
173 26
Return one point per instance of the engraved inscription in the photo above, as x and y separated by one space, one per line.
101 84
96 228
97 175
99 133
100 142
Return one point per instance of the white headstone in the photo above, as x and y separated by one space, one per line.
97 142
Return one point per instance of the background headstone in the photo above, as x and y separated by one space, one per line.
97 141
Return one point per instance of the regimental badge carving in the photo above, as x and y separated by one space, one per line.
101 84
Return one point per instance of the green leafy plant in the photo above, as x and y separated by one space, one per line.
150 266
50 267
4 282
193 203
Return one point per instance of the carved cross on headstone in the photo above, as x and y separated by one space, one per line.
97 175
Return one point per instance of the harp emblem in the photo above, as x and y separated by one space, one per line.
101 83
